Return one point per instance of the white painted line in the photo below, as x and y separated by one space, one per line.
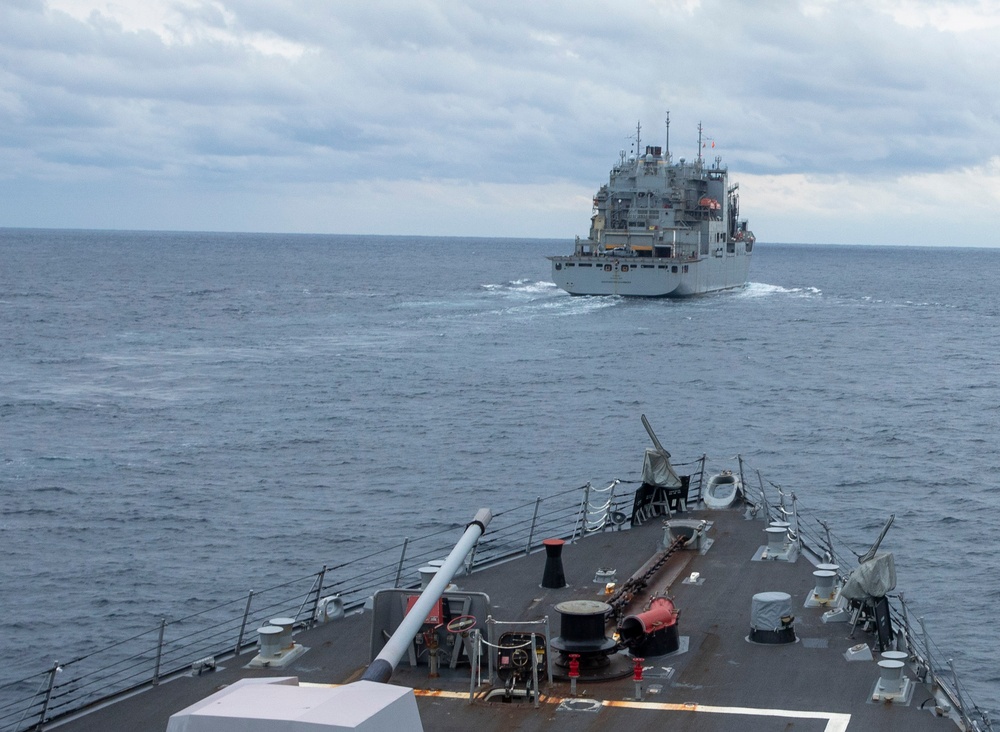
835 721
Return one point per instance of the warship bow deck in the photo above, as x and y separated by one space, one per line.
720 682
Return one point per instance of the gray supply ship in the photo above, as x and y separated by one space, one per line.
661 229
640 607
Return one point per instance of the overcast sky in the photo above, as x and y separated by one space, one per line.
844 122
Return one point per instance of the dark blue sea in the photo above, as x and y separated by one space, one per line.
185 416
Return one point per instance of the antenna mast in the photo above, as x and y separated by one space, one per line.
699 144
638 139
666 149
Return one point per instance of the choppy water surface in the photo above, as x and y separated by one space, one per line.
187 416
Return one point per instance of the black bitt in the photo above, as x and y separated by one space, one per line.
769 637
553 578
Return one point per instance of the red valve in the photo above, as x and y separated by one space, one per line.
574 665
637 675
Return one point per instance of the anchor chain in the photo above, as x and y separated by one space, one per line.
621 597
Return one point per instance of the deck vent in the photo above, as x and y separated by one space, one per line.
553 577
771 619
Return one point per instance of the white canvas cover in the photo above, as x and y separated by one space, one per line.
280 705
874 578
657 470
768 608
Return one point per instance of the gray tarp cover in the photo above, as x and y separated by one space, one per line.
768 608
874 578
657 470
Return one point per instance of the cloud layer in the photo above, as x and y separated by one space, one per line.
875 122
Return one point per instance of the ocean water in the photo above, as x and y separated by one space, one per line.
186 416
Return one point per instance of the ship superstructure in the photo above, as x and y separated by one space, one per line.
661 229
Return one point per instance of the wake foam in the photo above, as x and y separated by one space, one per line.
762 289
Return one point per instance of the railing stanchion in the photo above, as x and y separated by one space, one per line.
402 557
958 693
611 506
48 696
927 649
243 625
743 480
581 521
531 531
159 652
319 592
829 540
907 631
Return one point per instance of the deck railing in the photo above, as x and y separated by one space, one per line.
930 663
176 646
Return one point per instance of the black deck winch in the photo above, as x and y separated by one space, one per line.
582 635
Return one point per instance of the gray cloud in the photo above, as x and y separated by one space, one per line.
246 93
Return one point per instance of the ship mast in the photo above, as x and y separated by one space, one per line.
638 139
666 149
699 144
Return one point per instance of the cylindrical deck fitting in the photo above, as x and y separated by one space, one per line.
824 584
553 577
890 675
776 539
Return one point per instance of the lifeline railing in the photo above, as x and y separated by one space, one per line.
927 659
178 645
225 630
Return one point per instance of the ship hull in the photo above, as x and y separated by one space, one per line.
649 277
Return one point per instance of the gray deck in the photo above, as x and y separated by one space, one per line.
722 682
